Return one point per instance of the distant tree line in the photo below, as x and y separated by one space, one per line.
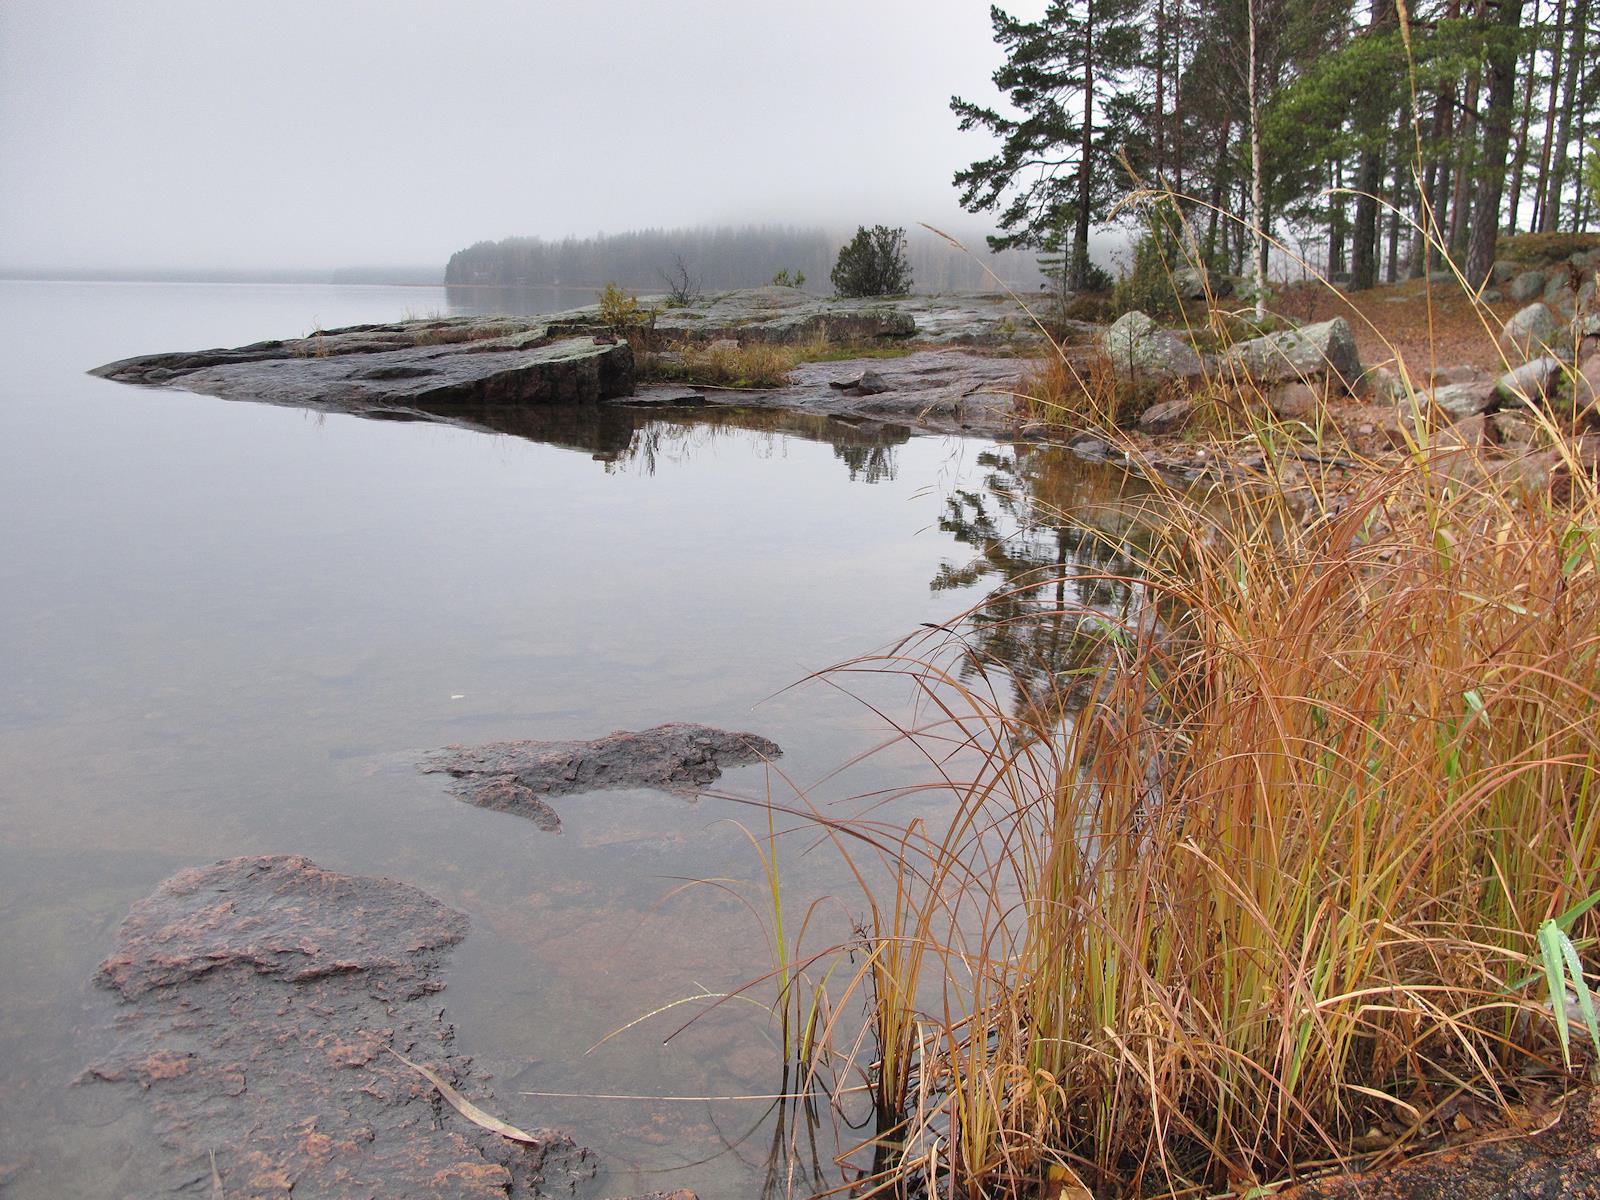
1328 123
719 258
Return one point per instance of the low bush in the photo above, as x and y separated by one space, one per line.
620 309
1148 285
873 263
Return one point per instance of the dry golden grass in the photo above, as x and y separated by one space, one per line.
1277 889
752 365
1279 883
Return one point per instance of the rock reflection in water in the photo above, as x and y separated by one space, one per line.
646 437
1053 534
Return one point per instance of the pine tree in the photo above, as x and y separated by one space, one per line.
1066 75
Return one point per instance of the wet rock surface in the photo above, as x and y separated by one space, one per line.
937 390
411 365
783 314
516 777
780 314
258 1000
488 372
1561 1161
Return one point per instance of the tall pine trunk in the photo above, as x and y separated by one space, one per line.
1519 161
1467 134
1372 126
1080 235
1550 214
1258 218
1496 141
1336 221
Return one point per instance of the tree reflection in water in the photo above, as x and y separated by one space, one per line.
660 436
1053 533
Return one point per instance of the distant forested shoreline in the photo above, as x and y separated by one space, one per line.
721 257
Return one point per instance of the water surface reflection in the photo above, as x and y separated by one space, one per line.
230 629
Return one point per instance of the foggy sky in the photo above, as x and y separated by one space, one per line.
288 134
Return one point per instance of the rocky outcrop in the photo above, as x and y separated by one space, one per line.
1168 416
518 777
1533 380
1462 400
1326 351
940 391
765 314
1142 351
413 364
259 1001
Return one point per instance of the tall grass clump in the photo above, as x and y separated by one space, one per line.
1280 883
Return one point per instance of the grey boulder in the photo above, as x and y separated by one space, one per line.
1527 286
1459 401
1314 351
1140 349
1529 333
1167 416
1533 380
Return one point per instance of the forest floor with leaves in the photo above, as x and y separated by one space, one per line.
1430 325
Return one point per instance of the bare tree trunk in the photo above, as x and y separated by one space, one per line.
1161 87
1444 125
1519 160
1257 217
1215 214
1417 265
1336 222
1466 153
1177 96
1570 92
1392 267
1080 237
1496 140
1369 176
1364 237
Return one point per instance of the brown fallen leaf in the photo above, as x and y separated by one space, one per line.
466 1107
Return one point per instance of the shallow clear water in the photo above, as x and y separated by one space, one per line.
230 629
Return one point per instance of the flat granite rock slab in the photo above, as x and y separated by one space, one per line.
258 1000
938 390
766 314
412 365
516 777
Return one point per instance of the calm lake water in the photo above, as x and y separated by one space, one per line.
230 629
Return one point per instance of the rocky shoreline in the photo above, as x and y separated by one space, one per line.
491 372
267 1008
955 365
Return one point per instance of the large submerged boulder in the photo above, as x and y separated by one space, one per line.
518 777
264 1006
